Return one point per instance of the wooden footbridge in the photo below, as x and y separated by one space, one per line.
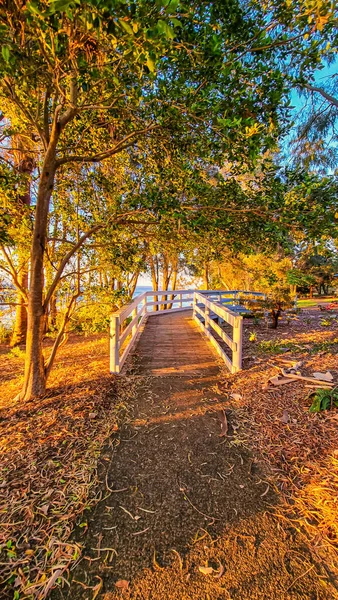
167 326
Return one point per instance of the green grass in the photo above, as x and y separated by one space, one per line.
279 347
307 302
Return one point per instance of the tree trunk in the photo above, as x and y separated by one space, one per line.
25 166
275 314
174 274
165 280
20 325
35 375
311 291
293 290
52 312
133 283
206 275
154 279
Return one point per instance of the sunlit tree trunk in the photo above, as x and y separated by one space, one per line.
174 274
206 275
24 166
154 278
20 325
35 374
165 278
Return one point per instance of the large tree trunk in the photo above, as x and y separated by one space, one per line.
25 166
35 375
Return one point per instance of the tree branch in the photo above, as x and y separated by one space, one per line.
320 91
12 271
122 145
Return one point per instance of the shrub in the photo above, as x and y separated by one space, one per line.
324 399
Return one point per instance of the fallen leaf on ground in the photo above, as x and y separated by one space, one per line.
220 572
277 380
224 423
323 376
285 417
236 396
206 570
122 584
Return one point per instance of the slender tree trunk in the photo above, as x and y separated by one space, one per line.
20 325
52 312
165 279
206 275
275 314
154 279
133 283
174 274
293 290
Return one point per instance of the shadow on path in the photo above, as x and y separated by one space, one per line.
181 497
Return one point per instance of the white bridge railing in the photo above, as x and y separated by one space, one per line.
207 305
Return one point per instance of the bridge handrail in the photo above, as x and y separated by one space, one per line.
232 318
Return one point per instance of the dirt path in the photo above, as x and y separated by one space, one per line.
188 514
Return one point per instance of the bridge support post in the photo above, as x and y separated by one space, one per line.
207 317
114 344
238 339
133 316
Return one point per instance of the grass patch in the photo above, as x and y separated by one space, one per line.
281 346
309 302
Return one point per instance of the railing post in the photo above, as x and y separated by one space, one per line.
134 328
207 316
114 344
193 305
238 339
180 304
144 301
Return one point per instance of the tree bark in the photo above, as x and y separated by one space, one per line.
35 374
154 279
25 166
206 275
165 279
174 273
20 325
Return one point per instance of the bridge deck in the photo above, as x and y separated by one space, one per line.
172 344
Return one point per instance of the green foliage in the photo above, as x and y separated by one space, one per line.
324 399
5 333
93 312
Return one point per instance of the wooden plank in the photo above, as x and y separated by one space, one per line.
168 292
168 310
218 309
124 312
114 344
232 345
169 301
